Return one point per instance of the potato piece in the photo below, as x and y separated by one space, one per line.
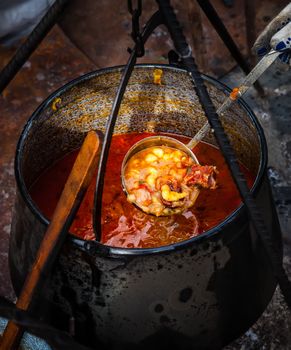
167 156
134 163
176 156
131 172
151 179
172 196
150 158
159 152
152 170
131 198
155 198
173 173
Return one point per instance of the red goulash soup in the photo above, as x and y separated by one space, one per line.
124 225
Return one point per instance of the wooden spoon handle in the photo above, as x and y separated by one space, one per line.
69 202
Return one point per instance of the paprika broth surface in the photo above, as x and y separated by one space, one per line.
123 224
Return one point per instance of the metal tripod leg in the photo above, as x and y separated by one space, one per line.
221 30
31 43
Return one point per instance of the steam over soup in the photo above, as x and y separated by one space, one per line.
123 224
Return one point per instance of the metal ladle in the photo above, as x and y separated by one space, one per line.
160 140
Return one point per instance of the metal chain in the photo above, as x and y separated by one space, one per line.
136 34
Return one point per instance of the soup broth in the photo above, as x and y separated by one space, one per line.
123 224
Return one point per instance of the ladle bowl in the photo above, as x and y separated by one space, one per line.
153 141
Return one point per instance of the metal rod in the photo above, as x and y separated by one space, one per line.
255 215
153 22
250 15
221 30
31 43
97 212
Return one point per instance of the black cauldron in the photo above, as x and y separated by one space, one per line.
198 294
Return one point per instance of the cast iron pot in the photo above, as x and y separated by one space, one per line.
198 294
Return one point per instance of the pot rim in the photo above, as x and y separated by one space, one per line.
112 251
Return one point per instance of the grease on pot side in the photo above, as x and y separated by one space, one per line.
124 225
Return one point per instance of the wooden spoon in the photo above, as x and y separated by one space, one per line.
69 202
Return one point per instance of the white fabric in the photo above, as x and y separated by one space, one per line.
276 35
19 17
282 36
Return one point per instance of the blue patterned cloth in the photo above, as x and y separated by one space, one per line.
28 341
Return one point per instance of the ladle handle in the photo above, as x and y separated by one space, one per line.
199 136
248 81
206 127
68 204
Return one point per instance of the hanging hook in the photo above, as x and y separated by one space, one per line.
136 34
130 8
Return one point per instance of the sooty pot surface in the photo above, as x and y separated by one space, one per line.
197 294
